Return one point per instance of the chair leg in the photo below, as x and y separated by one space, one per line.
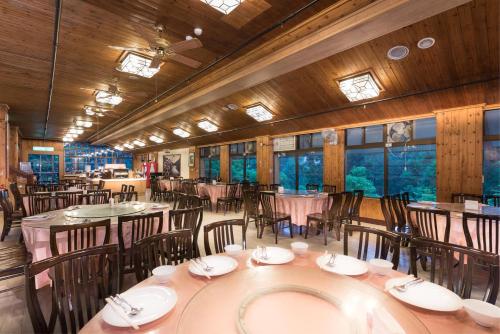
5 230
308 225
291 228
325 232
276 231
300 229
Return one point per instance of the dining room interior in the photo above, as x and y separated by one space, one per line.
250 166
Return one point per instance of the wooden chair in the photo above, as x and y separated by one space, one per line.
328 218
68 198
171 248
191 219
10 217
206 201
457 267
131 229
327 188
95 197
80 236
28 203
102 183
81 281
251 207
42 204
492 200
274 186
18 198
270 216
229 199
487 231
312 187
123 188
392 223
424 223
355 206
223 234
127 196
461 197
35 188
13 259
385 243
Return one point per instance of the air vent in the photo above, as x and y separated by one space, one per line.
426 42
398 52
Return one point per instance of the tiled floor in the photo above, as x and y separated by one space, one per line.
14 317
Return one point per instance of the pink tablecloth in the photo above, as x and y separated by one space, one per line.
170 184
300 206
215 191
188 286
37 238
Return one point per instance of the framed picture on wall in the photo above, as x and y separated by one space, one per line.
191 159
172 165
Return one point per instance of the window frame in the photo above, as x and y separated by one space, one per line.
245 154
211 153
487 138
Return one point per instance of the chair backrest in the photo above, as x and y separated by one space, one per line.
268 204
191 219
461 197
388 213
223 234
399 209
424 222
80 236
29 204
18 198
356 202
169 248
102 183
123 188
487 231
127 196
492 200
131 188
251 202
405 198
231 190
457 267
274 186
42 204
328 188
347 204
68 198
7 208
35 188
335 201
312 186
185 201
385 243
81 280
94 197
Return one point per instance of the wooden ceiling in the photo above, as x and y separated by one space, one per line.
461 68
85 61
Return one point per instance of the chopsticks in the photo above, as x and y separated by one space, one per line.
197 266
121 313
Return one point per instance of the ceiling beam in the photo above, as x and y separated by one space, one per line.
372 21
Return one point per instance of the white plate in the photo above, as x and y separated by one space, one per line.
275 255
427 295
39 217
343 265
159 206
156 301
220 264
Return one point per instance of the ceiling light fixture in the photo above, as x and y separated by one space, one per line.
138 65
129 146
259 112
207 126
360 87
118 148
426 42
198 31
139 143
398 52
181 133
189 37
89 111
82 123
68 139
108 98
156 139
223 6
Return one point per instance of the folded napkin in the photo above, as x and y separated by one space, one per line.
384 323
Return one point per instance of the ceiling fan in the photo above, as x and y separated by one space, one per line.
112 92
162 49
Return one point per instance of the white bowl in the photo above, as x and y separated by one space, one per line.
233 249
485 314
380 266
163 273
299 247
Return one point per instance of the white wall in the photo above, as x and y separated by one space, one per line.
184 152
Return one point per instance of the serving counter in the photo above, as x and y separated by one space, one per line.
116 184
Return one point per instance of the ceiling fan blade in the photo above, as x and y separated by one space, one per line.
186 45
155 62
185 60
124 48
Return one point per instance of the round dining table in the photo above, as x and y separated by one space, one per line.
217 305
215 191
36 232
299 204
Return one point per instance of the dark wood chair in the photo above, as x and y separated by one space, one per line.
18 198
35 188
123 188
487 231
206 201
393 223
270 215
185 201
251 207
42 204
326 219
77 294
13 259
312 187
223 234
229 200
274 186
171 248
327 188
135 227
65 199
10 217
102 183
355 206
80 236
127 196
493 200
461 197
456 267
424 223
386 243
29 203
95 197
191 219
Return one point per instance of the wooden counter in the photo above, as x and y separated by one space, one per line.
116 184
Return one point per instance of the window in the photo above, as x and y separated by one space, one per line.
491 153
295 169
45 167
393 158
210 162
78 155
243 162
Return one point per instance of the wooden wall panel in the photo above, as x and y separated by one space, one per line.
4 138
333 161
224 163
13 147
459 151
194 170
27 148
264 156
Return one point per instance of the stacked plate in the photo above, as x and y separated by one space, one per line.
272 255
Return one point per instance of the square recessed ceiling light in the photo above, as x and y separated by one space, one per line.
138 65
223 6
118 148
259 112
129 146
181 133
156 139
108 98
139 143
360 87
207 126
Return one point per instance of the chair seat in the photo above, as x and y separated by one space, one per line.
12 260
316 216
279 216
226 199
